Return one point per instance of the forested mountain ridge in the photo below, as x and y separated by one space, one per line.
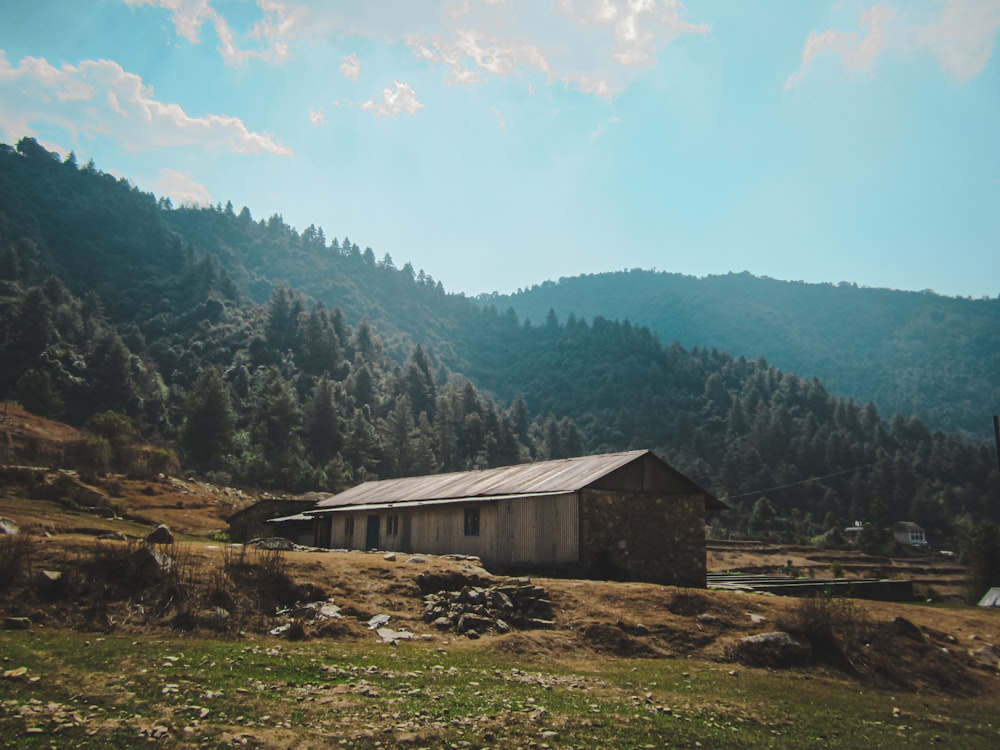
249 348
912 353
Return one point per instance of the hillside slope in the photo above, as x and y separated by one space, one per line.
910 353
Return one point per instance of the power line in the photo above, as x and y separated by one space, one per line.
796 484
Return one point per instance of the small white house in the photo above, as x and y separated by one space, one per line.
907 532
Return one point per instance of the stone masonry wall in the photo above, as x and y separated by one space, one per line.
642 537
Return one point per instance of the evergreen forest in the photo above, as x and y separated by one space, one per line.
256 354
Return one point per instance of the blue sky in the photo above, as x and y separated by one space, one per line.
499 143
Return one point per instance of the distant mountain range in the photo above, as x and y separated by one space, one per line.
910 353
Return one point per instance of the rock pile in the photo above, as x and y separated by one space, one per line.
475 610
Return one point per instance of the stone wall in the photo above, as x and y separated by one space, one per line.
643 537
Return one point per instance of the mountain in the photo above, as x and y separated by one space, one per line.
910 353
260 355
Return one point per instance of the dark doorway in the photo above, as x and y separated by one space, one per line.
371 537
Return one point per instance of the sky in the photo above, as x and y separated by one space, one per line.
496 144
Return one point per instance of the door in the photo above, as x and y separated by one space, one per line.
371 537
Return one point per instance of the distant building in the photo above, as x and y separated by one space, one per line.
254 521
619 515
907 532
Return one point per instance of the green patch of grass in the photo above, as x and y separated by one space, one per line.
119 690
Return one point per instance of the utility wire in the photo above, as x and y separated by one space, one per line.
796 484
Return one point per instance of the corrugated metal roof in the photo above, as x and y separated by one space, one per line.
563 475
424 503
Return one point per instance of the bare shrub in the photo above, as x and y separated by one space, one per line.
832 625
16 553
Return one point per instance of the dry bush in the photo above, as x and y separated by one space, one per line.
16 553
835 628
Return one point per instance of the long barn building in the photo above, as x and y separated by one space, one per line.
619 515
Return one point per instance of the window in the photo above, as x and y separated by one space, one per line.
392 525
349 528
472 521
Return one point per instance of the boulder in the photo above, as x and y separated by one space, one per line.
8 527
160 535
776 649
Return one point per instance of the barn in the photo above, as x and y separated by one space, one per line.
626 516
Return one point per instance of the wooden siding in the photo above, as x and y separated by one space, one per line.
440 530
539 530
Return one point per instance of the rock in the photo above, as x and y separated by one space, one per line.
274 542
473 622
907 629
988 655
416 559
472 634
776 649
705 619
118 536
389 556
378 621
48 581
160 535
16 623
443 623
388 635
8 527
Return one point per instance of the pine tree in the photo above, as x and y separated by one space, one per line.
207 435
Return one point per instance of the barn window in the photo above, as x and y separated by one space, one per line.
391 525
472 521
349 528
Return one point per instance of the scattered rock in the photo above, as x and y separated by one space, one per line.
516 602
15 674
907 629
388 635
8 527
416 559
378 621
160 535
989 655
706 619
16 623
389 556
47 581
776 649
273 542
119 536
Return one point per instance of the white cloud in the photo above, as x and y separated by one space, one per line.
316 118
395 101
268 39
594 46
857 53
961 37
182 189
99 98
471 53
351 67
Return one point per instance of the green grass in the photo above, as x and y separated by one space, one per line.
94 691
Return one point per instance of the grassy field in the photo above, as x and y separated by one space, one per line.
67 689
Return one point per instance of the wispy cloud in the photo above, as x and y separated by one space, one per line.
395 101
857 52
960 37
267 40
99 98
182 188
351 67
317 118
